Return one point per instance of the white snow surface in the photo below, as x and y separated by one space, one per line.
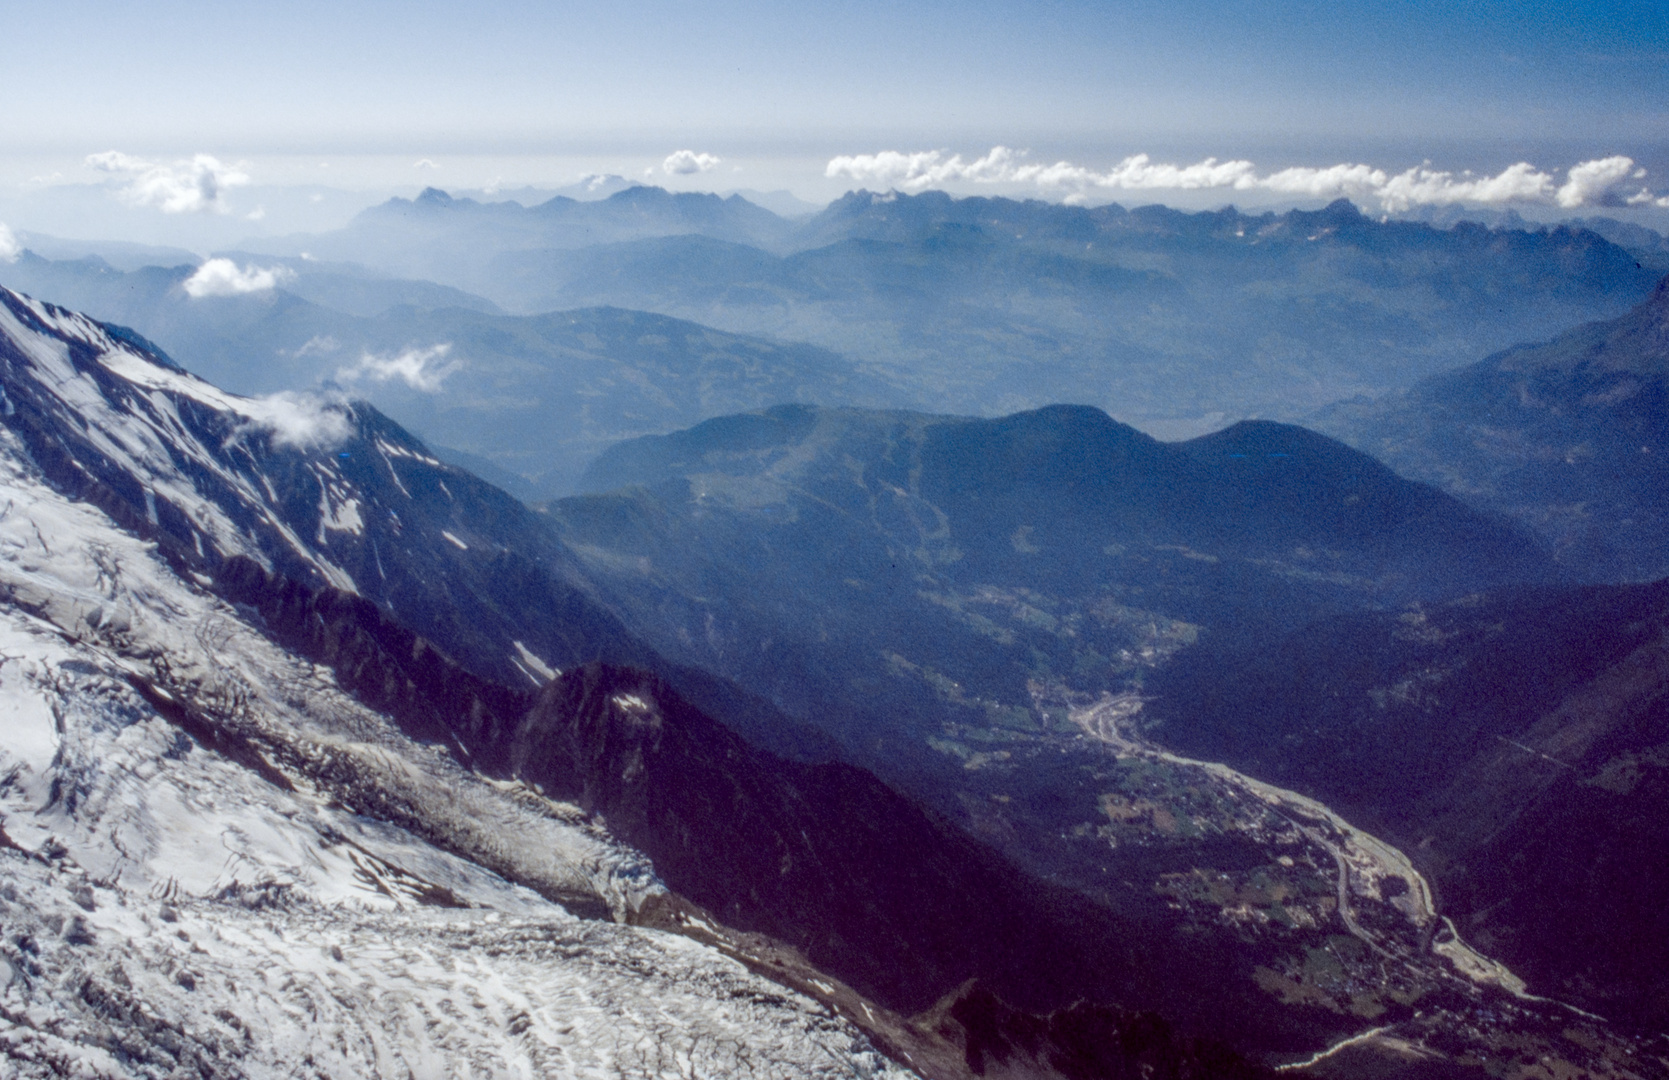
539 671
144 435
167 911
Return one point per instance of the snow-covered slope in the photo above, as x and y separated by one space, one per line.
215 861
322 490
119 415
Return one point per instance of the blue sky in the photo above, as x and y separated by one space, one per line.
777 90
488 77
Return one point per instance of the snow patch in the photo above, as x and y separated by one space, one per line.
338 508
546 672
392 450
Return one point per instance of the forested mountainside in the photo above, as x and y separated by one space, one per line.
1570 437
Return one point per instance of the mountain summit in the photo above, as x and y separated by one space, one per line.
915 568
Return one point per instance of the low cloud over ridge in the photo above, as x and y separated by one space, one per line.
1612 181
420 369
221 277
195 186
10 249
305 421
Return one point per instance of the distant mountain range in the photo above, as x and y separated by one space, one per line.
993 305
527 401
1179 322
421 237
1570 437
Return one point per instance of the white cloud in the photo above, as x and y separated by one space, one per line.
420 369
424 163
256 214
305 421
318 345
1592 183
688 162
222 277
10 249
198 185
1599 183
1520 183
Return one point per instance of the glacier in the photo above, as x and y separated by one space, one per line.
215 862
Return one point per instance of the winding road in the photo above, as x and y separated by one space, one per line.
1108 721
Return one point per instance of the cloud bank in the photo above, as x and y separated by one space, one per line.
1612 181
306 421
420 369
221 277
688 162
10 249
195 186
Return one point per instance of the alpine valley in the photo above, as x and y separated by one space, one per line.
753 669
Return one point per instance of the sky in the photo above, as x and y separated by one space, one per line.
380 97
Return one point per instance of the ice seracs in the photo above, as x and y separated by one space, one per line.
212 860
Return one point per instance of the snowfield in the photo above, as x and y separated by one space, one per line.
215 863
266 983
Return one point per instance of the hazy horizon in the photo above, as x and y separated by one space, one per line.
376 100
202 202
